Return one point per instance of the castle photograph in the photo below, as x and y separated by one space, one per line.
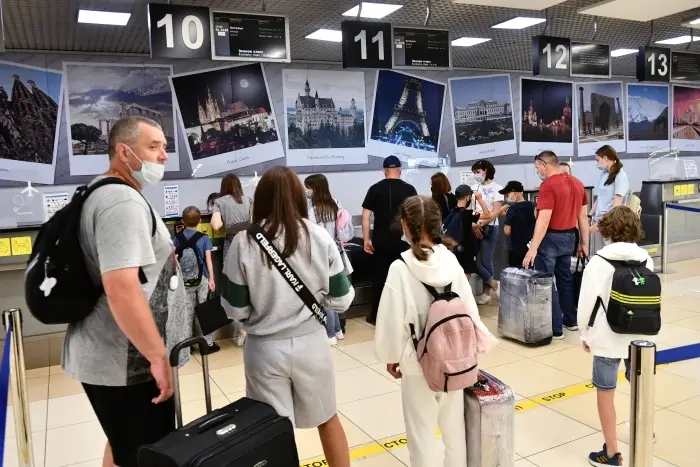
324 109
225 110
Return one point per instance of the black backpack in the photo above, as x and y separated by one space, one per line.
635 300
191 267
57 286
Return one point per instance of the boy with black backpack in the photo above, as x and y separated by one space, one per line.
458 226
620 302
193 250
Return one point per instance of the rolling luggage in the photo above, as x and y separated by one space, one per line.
245 433
525 309
489 408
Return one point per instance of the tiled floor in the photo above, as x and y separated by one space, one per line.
552 434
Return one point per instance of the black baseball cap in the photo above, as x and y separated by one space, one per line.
463 191
392 162
512 187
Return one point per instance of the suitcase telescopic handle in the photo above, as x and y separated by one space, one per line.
201 342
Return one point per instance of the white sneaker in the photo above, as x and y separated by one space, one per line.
241 340
333 341
340 335
483 299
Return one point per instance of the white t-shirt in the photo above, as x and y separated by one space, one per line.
491 195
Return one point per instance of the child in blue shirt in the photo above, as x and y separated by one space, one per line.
199 291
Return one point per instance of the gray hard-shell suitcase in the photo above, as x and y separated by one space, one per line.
245 433
489 408
525 306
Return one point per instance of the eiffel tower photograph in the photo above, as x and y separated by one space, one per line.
407 111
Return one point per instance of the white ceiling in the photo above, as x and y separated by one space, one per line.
639 10
522 4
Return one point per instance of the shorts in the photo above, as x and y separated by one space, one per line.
605 372
129 418
295 376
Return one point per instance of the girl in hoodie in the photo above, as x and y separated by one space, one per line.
405 301
621 229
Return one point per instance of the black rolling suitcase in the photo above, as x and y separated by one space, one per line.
245 433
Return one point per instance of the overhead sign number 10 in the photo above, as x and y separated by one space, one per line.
167 22
561 61
362 39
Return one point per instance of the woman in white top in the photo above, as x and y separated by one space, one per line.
405 302
611 191
486 230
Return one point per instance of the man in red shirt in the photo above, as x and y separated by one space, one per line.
561 206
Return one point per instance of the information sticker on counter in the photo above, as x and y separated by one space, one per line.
171 195
54 202
691 169
5 249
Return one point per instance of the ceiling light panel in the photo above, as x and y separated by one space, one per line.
520 4
469 41
330 35
678 40
373 10
639 10
623 52
110 18
519 22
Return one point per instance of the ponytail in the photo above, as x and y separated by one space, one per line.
610 154
612 173
422 216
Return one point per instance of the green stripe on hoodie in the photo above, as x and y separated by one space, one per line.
235 294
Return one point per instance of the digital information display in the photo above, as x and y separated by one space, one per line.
685 66
421 48
250 37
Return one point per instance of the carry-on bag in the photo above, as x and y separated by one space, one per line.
245 433
577 278
489 408
525 308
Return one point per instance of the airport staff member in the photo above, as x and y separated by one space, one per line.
384 200
562 203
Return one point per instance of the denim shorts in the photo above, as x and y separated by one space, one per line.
605 372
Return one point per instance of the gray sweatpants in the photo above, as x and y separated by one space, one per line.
196 295
295 376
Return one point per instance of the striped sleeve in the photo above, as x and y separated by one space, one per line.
340 292
235 295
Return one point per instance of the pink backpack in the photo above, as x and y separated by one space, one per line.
447 350
343 226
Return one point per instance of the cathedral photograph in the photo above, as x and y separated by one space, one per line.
29 111
225 110
547 113
324 109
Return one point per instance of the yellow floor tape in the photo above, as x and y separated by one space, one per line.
523 405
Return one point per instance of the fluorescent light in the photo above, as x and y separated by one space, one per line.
695 21
373 10
330 35
469 41
111 18
678 40
520 22
621 52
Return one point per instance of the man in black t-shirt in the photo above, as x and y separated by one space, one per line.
519 223
384 200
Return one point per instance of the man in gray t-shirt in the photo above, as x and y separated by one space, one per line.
120 351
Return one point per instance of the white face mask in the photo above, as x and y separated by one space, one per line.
541 176
150 173
479 178
600 166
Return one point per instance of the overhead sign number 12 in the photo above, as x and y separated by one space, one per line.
561 61
167 23
362 39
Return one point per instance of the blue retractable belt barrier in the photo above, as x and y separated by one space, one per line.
678 354
679 207
4 389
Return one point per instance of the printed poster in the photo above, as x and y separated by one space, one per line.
227 118
99 94
647 118
547 113
482 115
686 118
600 116
171 194
325 117
54 202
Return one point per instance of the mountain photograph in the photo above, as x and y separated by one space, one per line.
647 112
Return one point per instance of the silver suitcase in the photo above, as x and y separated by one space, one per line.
525 308
489 408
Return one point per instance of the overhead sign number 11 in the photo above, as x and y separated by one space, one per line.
362 39
167 22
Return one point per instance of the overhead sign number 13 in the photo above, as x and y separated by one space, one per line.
362 39
562 62
662 69
167 23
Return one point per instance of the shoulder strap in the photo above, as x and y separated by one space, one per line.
118 181
623 264
192 242
290 276
594 313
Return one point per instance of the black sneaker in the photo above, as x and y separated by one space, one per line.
213 348
601 459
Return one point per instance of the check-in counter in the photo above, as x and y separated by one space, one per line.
682 228
43 343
